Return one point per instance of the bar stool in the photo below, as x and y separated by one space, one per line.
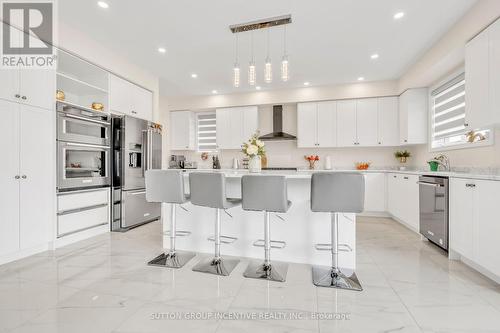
336 192
209 190
267 194
167 186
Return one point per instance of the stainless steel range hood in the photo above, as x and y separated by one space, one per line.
277 134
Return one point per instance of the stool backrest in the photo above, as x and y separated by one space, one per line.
165 186
208 189
264 192
338 192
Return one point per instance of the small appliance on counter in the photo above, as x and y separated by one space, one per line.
176 161
215 162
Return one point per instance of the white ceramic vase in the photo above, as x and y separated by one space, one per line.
254 164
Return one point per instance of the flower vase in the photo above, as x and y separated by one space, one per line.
254 164
312 164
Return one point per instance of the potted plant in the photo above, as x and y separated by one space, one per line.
402 155
254 149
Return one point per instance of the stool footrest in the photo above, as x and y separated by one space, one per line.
223 239
179 233
328 247
274 244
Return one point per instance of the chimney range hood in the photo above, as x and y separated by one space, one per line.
277 134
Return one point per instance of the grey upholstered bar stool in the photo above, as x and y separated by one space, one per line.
336 192
208 189
268 194
167 186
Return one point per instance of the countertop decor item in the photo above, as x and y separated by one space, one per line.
328 163
312 160
204 156
402 155
362 165
434 165
60 96
98 106
254 149
440 160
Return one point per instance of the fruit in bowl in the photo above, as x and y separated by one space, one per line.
362 165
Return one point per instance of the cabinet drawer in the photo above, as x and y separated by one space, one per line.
66 202
81 220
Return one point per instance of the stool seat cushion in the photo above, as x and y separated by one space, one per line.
165 186
337 192
208 189
265 193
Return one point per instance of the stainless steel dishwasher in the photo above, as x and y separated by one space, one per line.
434 209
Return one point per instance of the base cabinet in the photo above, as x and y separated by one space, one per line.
375 189
403 199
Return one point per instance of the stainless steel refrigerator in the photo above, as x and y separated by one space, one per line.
136 148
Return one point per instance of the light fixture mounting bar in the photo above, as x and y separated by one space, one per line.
261 24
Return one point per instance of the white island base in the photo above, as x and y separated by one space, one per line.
301 230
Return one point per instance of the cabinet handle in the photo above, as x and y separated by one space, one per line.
395 176
466 125
470 185
17 95
24 177
406 140
380 143
16 177
24 98
134 112
405 177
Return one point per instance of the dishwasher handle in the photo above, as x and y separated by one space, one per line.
430 184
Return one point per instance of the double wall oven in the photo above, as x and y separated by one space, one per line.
83 148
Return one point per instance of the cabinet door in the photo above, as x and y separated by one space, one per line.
461 216
249 124
393 194
37 87
367 121
403 118
307 123
181 130
494 69
9 78
327 124
9 169
37 165
486 239
476 75
410 213
388 121
235 129
346 123
120 95
223 125
375 185
143 103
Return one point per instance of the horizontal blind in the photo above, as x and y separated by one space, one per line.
206 131
449 110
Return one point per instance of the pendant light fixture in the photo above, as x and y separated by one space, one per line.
251 65
268 69
284 61
236 68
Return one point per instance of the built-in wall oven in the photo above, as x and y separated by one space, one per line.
83 148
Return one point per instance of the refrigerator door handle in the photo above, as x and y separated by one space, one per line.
145 151
150 149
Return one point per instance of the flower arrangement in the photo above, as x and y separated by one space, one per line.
254 147
312 160
402 155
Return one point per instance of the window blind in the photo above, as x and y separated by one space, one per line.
206 133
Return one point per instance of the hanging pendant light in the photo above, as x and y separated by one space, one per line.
251 65
268 70
236 68
284 61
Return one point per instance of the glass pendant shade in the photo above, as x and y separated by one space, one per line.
236 75
251 73
268 71
284 69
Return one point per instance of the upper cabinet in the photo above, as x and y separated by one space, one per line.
413 115
235 126
182 130
130 99
388 121
346 123
367 122
482 77
317 124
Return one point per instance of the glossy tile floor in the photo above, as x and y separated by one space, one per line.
103 285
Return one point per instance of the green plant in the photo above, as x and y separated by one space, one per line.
402 153
254 146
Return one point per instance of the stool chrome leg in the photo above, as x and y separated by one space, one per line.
332 276
217 265
267 271
173 258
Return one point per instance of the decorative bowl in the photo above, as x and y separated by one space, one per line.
97 106
60 96
362 165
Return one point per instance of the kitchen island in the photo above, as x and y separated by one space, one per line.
300 228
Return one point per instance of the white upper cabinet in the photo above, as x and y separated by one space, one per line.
235 126
388 121
182 130
317 124
367 122
130 99
482 77
346 123
413 115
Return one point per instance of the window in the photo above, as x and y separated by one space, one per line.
448 127
206 132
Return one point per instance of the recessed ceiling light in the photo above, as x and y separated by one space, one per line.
361 78
399 15
194 75
214 91
258 87
102 4
307 83
162 50
374 56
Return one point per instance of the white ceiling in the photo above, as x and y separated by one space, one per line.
329 41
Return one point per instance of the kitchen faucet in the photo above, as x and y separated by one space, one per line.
443 161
